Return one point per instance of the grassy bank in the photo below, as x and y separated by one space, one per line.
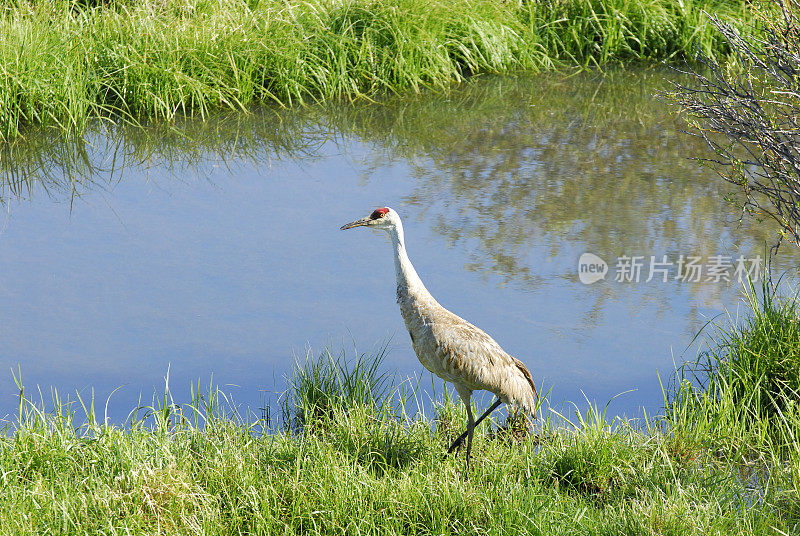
67 61
351 459
360 471
738 405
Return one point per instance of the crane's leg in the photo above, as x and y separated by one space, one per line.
471 430
458 442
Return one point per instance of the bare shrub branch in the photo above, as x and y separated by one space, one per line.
748 111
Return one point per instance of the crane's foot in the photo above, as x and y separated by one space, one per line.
457 444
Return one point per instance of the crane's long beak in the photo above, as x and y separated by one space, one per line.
357 223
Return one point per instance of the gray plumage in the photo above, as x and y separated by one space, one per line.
458 352
446 344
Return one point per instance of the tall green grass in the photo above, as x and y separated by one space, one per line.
324 384
748 382
65 62
739 403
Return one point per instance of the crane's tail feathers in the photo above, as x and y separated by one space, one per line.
530 400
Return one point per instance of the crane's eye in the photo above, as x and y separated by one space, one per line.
379 213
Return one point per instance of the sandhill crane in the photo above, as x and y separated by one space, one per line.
446 344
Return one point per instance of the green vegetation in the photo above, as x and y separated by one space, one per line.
66 62
720 460
739 403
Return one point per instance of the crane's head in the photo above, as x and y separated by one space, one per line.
381 218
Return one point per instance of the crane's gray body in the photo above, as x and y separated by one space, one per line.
458 352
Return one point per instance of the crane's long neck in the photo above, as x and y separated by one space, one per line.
407 279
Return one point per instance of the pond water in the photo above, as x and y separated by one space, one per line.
212 250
